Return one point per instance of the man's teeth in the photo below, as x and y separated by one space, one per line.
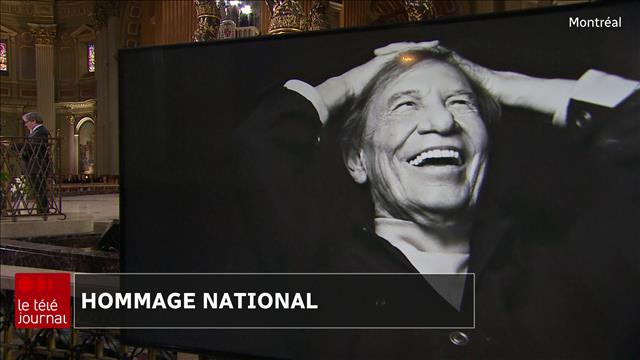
426 156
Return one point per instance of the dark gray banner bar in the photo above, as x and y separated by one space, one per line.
274 301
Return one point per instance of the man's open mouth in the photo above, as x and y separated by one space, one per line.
437 157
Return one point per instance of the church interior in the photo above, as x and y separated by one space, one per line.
60 58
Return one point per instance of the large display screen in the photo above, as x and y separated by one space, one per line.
507 147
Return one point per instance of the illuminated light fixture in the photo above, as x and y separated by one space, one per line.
234 3
246 10
407 58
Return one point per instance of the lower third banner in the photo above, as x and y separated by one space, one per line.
305 301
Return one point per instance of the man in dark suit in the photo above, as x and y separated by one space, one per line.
36 158
417 138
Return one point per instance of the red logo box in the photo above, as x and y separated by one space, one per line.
42 300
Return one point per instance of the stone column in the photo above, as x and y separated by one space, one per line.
103 147
44 35
73 143
114 39
107 25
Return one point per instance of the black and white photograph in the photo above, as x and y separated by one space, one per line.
506 147
495 157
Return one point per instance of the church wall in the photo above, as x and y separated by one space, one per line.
132 23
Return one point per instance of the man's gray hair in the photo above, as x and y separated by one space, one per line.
33 116
352 132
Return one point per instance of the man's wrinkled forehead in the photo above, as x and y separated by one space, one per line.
401 82
397 85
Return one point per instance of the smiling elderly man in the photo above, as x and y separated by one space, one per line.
416 135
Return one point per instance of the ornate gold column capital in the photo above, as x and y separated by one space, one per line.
318 15
44 34
286 17
208 23
418 10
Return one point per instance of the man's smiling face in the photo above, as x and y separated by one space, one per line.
424 146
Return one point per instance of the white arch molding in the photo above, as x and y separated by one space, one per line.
82 122
85 146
